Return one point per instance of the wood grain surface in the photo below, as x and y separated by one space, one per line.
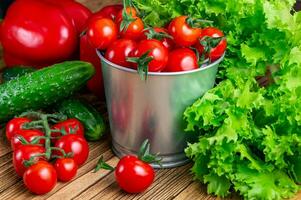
174 183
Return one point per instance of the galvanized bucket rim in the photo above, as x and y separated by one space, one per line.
126 69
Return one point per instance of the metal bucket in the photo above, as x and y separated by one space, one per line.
153 109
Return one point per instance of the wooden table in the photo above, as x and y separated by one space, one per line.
174 183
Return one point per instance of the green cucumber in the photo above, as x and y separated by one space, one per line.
42 88
15 72
87 115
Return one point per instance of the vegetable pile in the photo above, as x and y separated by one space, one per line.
187 44
249 136
38 140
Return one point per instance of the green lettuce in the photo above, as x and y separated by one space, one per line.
249 136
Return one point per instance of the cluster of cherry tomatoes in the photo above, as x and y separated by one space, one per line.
181 46
41 158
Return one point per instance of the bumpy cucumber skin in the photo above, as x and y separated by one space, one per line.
91 119
43 87
15 72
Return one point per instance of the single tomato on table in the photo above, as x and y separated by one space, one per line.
69 126
15 125
75 144
29 136
182 59
216 43
40 178
133 175
25 153
183 34
66 169
119 50
110 11
102 32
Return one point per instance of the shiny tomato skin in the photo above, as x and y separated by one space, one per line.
36 30
15 125
24 153
134 175
167 42
28 135
102 32
129 10
158 52
88 54
40 178
182 33
110 11
216 52
182 59
75 144
134 30
78 13
66 169
119 50
71 126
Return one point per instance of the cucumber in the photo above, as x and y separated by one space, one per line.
42 88
87 115
15 72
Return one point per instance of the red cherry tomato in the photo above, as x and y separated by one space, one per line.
134 175
40 178
15 125
78 13
75 144
134 29
182 59
167 42
71 126
102 32
24 153
110 11
88 54
66 169
216 52
28 135
182 33
38 31
129 10
119 50
157 51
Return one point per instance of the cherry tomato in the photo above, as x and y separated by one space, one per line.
182 59
119 50
40 178
102 32
28 135
88 54
133 175
15 125
183 34
66 169
157 51
134 29
217 51
167 42
24 153
129 10
110 11
75 144
71 126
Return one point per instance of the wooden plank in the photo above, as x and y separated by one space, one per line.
96 5
82 183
